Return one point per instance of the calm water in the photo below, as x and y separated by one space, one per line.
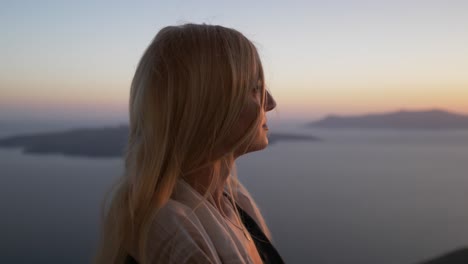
356 197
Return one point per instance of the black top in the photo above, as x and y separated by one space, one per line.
267 251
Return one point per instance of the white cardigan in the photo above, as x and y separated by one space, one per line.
183 235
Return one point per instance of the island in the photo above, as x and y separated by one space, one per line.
106 142
434 119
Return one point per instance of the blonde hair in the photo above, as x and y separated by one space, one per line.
186 96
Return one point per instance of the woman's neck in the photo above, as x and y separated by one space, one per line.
201 180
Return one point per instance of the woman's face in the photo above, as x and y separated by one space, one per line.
248 115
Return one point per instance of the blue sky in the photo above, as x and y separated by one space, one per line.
75 59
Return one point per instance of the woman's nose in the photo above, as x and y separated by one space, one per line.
270 103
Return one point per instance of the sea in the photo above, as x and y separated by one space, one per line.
355 196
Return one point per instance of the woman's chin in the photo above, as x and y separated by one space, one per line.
259 144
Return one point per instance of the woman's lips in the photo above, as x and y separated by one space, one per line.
265 126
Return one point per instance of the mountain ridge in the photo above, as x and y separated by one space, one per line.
432 119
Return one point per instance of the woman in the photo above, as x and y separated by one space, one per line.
197 102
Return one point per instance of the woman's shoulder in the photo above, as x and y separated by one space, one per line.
175 215
176 235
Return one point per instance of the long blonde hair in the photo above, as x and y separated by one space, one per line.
186 96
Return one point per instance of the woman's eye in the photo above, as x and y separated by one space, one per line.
256 89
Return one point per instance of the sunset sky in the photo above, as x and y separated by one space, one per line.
75 59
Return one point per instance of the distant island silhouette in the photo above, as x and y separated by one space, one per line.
434 119
106 142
